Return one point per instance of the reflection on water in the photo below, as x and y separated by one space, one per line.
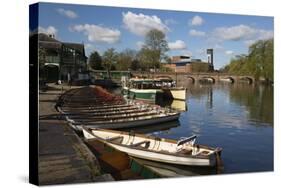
155 129
179 105
258 101
236 117
172 170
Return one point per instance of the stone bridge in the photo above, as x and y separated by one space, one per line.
185 78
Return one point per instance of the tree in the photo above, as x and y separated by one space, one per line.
145 56
135 65
258 62
95 61
109 57
125 59
154 48
261 59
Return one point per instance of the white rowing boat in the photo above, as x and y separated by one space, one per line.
182 152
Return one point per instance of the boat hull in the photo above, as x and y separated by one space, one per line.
156 156
178 94
150 95
155 94
130 124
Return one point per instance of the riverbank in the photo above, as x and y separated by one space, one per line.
63 157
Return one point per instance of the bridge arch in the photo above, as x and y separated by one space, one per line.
247 79
190 78
227 79
164 76
208 79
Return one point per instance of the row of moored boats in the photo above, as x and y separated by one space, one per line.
99 119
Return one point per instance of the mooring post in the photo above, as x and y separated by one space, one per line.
219 163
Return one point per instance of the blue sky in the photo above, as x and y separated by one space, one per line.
100 28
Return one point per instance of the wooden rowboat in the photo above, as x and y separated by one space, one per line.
103 110
117 117
182 152
130 122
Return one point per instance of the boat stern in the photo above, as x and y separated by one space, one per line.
179 94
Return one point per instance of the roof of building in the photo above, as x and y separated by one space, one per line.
46 41
45 37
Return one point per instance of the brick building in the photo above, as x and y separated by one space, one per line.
188 65
59 59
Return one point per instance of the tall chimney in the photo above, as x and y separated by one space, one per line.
210 55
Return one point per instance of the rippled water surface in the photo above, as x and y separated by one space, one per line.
238 118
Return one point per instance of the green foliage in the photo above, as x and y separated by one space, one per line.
95 61
149 56
200 67
261 59
258 62
109 59
146 58
135 65
154 49
125 59
165 69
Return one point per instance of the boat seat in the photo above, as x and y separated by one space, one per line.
114 138
146 142
185 151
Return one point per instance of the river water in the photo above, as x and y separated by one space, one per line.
235 117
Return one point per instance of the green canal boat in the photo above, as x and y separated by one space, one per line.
151 90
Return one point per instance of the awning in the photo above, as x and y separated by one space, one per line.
52 64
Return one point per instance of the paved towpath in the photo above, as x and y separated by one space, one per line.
63 157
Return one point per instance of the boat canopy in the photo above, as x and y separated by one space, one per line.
145 83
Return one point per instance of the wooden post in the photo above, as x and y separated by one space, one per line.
219 163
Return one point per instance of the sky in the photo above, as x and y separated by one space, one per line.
187 33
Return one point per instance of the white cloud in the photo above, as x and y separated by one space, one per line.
97 33
177 45
68 13
196 21
141 24
234 33
241 32
197 33
48 30
229 52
